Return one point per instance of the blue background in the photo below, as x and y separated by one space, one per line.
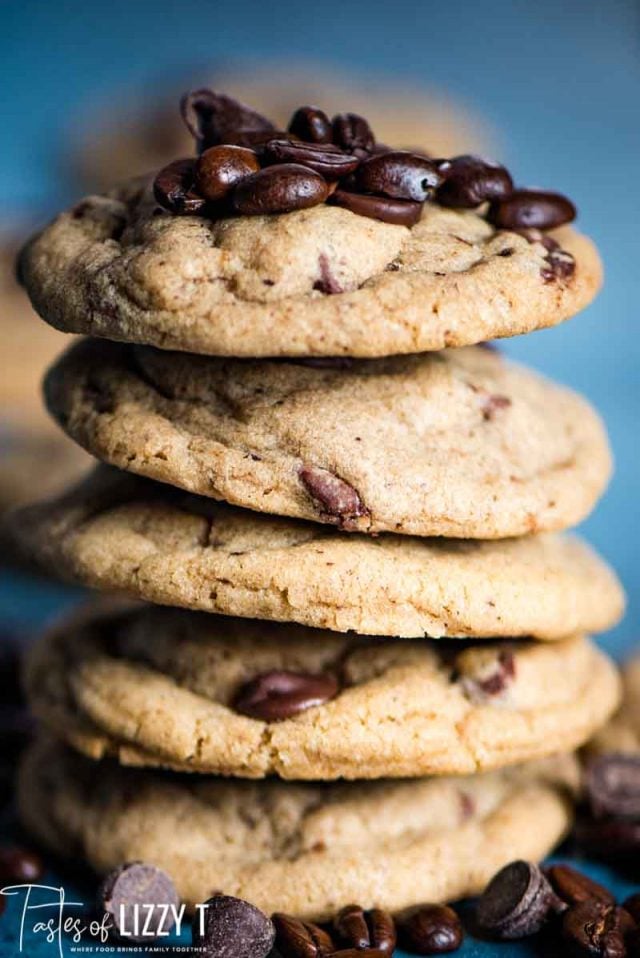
559 81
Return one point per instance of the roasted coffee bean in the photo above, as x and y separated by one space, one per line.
472 180
213 117
279 189
615 840
233 928
361 929
127 889
429 930
531 209
339 502
613 786
352 132
595 928
174 190
19 866
220 168
278 695
572 886
325 158
399 212
400 175
516 902
312 125
301 939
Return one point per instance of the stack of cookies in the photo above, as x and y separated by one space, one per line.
368 634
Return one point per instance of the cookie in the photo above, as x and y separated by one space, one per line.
122 533
302 849
460 443
316 282
622 734
193 691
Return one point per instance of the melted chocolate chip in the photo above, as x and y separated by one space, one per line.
472 180
532 209
430 930
400 175
339 502
174 188
279 189
131 887
328 160
233 928
274 696
399 212
352 132
301 939
220 168
312 125
613 786
361 929
213 118
516 902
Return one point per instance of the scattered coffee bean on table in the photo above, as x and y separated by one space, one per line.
572 886
597 928
233 928
429 930
516 902
301 939
125 893
361 929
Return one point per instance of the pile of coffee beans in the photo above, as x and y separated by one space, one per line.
608 827
247 167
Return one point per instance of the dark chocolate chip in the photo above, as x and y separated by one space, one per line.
339 502
491 681
472 180
233 928
516 902
220 168
312 125
562 265
596 928
174 190
325 158
532 209
327 282
615 840
301 939
612 785
278 695
400 175
493 404
213 117
128 892
352 132
361 929
573 886
19 866
279 189
399 212
429 930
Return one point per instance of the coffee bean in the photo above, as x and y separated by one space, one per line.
537 209
19 866
430 930
127 889
399 212
352 132
255 140
361 929
400 175
612 784
596 928
615 840
472 180
219 169
516 902
573 886
279 189
301 939
174 190
328 160
339 502
278 695
212 117
233 928
310 124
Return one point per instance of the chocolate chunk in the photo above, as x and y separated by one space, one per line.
596 928
278 695
301 939
472 180
572 886
614 840
429 930
531 209
19 866
312 125
327 283
400 175
491 678
492 404
174 188
361 929
612 784
127 894
399 212
279 189
516 902
352 132
233 928
214 118
562 265
339 502
220 168
325 158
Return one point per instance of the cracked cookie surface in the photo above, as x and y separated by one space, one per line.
119 532
116 267
157 687
461 443
302 849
